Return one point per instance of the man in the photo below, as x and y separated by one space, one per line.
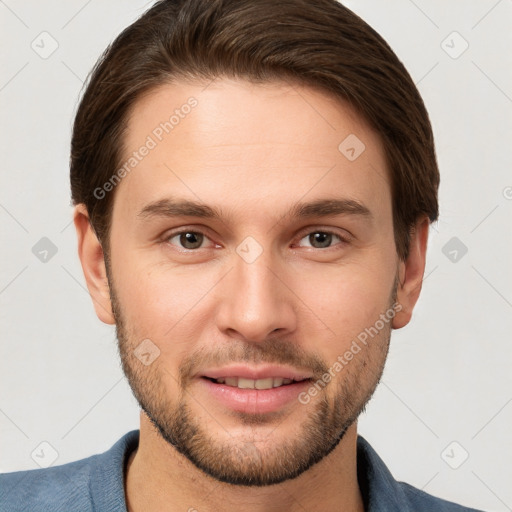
254 183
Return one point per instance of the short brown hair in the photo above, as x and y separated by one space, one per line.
315 42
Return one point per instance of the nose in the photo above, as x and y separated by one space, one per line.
256 301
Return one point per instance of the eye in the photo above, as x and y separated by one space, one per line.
321 239
189 240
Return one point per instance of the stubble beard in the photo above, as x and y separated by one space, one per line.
249 461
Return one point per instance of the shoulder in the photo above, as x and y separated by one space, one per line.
420 501
94 483
52 488
382 493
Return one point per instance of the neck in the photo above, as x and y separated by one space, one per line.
158 477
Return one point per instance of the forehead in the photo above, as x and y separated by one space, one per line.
249 146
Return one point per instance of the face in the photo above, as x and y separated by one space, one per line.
250 259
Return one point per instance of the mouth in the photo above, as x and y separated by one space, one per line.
245 383
253 390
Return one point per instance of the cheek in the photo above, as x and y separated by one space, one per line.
163 303
347 298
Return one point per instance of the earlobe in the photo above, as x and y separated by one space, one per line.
92 259
411 273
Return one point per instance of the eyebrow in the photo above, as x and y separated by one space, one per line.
318 208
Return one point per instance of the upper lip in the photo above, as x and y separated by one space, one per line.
255 373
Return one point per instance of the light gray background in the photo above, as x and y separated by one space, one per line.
448 376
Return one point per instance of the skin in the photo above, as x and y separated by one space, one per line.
252 151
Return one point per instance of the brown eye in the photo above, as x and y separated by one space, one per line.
188 239
320 239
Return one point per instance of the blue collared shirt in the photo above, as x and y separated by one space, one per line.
97 484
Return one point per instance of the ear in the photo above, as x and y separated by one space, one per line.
93 264
410 273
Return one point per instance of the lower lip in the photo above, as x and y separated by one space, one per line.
255 401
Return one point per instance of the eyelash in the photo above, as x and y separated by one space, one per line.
343 239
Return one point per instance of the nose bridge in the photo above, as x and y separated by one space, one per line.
256 302
257 279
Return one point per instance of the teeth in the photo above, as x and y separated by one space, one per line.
262 383
246 383
243 383
278 381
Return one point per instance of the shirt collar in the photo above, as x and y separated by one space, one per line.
380 491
